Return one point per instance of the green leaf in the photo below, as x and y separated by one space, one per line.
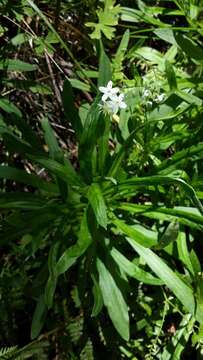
120 56
114 301
98 205
9 107
50 138
39 317
166 35
78 84
140 234
182 155
16 65
98 300
133 270
185 215
182 291
52 280
170 235
188 46
183 252
161 180
195 262
7 172
108 18
15 200
103 145
189 98
137 16
20 39
150 54
64 171
69 107
70 256
170 73
104 68
55 153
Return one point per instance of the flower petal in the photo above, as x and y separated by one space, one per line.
115 90
123 105
102 89
109 85
105 97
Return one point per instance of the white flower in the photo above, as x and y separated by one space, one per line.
116 103
160 98
149 103
108 91
112 102
146 93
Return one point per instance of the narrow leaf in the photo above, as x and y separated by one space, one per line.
114 301
98 205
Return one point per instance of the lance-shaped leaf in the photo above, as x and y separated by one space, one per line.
98 205
133 270
70 256
182 291
114 301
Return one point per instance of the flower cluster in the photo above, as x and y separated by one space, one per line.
152 85
149 97
112 99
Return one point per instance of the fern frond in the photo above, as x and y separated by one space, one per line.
8 352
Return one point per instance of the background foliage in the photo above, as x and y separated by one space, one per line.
101 217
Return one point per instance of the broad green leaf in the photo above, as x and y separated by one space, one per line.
114 301
133 270
98 205
167 111
150 54
166 35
